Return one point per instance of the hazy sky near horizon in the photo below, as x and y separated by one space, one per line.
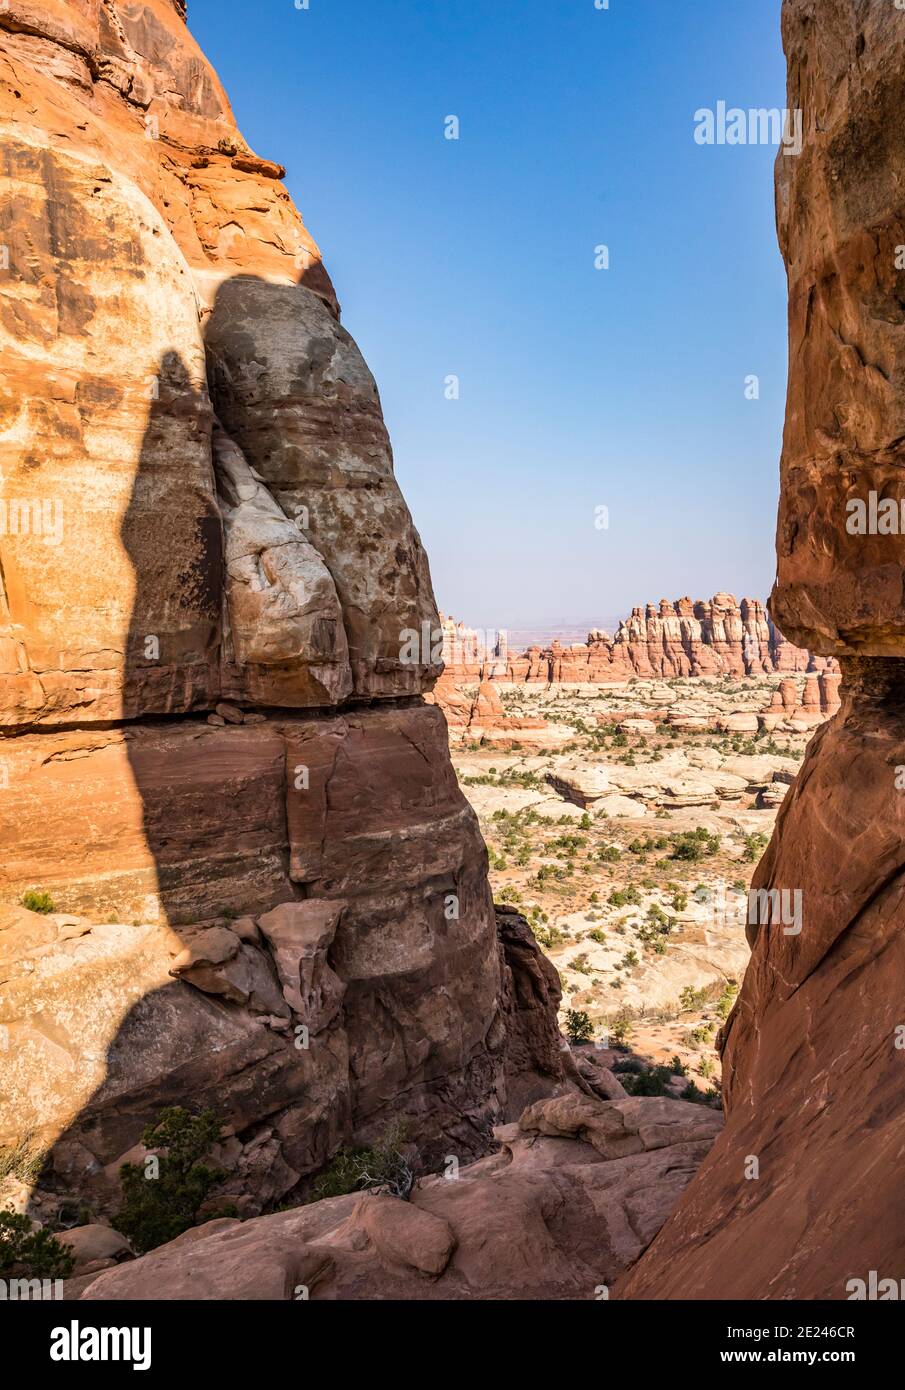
580 387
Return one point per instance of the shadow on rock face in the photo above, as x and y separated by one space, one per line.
181 994
280 944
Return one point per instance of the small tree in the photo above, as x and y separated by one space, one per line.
157 1209
578 1026
385 1168
622 1029
31 1254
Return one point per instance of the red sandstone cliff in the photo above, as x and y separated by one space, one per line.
803 1191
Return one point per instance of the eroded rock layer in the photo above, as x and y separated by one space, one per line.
801 1196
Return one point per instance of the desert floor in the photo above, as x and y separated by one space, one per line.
630 848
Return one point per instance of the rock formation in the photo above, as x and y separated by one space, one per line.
482 718
802 1193
578 1188
818 702
719 637
255 878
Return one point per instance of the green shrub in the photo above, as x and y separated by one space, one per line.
650 1081
38 902
692 998
754 847
382 1166
626 897
726 1000
692 845
546 935
29 1254
158 1209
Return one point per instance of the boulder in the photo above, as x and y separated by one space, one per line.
95 1246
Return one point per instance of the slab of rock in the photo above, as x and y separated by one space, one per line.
690 723
300 935
692 789
740 723
620 808
230 714
759 769
238 1263
583 784
618 1128
769 797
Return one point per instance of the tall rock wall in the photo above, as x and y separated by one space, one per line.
801 1196
268 892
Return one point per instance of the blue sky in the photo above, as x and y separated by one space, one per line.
579 388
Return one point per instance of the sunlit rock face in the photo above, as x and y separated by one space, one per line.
800 1196
842 227
216 628
185 303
